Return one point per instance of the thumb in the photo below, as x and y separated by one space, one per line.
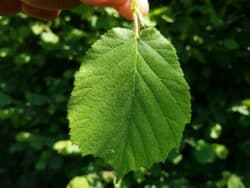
125 9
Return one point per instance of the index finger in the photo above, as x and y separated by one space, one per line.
104 2
9 7
52 4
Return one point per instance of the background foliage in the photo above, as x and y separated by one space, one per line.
37 64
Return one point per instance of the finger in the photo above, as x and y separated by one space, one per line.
9 7
40 13
126 12
52 4
104 2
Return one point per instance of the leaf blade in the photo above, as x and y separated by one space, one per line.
130 96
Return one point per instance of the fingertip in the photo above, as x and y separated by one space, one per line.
125 10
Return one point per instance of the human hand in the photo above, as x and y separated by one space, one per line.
50 9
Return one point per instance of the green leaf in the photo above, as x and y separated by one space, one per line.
221 151
130 101
49 37
204 152
65 147
4 100
235 182
78 182
215 131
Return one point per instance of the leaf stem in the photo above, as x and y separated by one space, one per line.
137 17
140 18
136 25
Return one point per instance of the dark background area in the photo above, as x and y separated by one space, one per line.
37 65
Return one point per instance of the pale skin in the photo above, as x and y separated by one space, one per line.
50 9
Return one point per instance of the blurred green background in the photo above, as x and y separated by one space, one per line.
37 65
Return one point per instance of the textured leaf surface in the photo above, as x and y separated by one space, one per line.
130 101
